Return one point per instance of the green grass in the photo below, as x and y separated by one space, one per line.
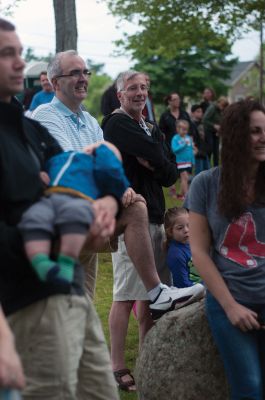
103 302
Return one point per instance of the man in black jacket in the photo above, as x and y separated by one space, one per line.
148 169
57 332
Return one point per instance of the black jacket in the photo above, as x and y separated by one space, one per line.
167 123
109 100
132 141
198 141
24 147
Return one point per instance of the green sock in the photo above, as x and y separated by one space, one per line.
66 271
43 266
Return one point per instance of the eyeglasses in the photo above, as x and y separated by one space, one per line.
76 73
135 88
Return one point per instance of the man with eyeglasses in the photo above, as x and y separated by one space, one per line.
72 126
148 169
64 117
74 129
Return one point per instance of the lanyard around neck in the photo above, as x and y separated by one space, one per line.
141 123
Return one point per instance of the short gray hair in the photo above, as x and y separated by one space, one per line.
54 68
124 77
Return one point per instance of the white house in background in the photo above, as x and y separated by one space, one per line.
32 73
244 81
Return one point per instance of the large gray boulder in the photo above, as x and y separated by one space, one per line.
179 360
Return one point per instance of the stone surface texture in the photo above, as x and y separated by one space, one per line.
179 360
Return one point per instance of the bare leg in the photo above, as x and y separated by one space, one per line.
172 191
71 244
184 178
118 326
134 224
144 319
34 247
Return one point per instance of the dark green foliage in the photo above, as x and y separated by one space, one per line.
187 74
185 46
169 17
29 55
96 68
97 85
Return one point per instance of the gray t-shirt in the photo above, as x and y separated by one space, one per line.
238 247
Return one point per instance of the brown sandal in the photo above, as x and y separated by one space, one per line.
121 384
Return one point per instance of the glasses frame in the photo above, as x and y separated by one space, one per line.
132 89
76 73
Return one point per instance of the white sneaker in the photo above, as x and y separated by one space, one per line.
171 298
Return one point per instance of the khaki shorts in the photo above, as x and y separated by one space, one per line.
127 284
63 350
90 263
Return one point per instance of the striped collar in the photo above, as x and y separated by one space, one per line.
67 112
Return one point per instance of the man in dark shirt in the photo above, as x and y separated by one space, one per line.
45 95
57 332
148 169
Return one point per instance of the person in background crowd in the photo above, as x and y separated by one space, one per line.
198 135
208 97
109 100
148 111
168 119
45 95
211 122
201 151
182 147
26 100
167 123
196 115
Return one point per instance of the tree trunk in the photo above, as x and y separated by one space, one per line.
66 25
261 78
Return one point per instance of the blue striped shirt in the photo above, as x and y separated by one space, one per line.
72 130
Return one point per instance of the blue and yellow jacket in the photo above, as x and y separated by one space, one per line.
87 176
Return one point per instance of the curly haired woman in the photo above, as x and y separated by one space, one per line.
227 237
